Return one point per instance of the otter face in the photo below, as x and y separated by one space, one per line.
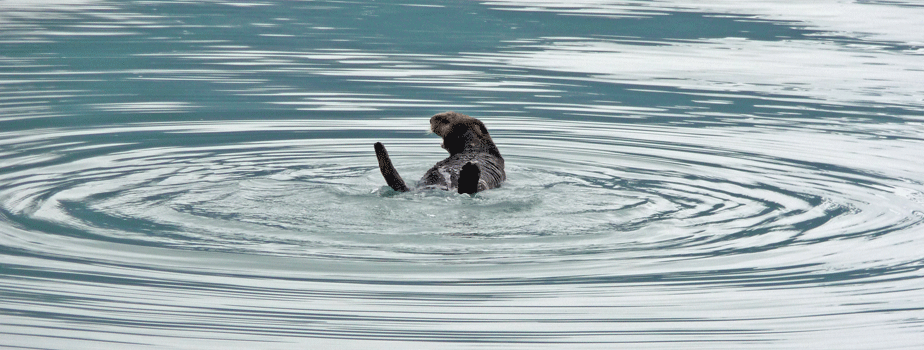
454 127
442 124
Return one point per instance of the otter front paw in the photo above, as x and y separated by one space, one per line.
468 178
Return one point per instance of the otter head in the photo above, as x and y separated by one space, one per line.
459 130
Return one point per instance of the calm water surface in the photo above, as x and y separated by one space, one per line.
713 175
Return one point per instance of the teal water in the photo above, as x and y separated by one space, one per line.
715 175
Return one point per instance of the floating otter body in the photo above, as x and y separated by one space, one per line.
474 163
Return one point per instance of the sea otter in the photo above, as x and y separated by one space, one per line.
474 163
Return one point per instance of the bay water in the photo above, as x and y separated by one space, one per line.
681 175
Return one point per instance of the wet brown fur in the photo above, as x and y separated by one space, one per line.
474 163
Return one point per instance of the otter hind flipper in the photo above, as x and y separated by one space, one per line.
388 170
468 178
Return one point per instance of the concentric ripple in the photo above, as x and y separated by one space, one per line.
588 209
651 210
598 192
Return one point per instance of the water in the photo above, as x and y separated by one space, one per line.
719 174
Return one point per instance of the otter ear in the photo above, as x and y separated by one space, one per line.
478 127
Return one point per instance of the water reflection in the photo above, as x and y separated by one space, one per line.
801 70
